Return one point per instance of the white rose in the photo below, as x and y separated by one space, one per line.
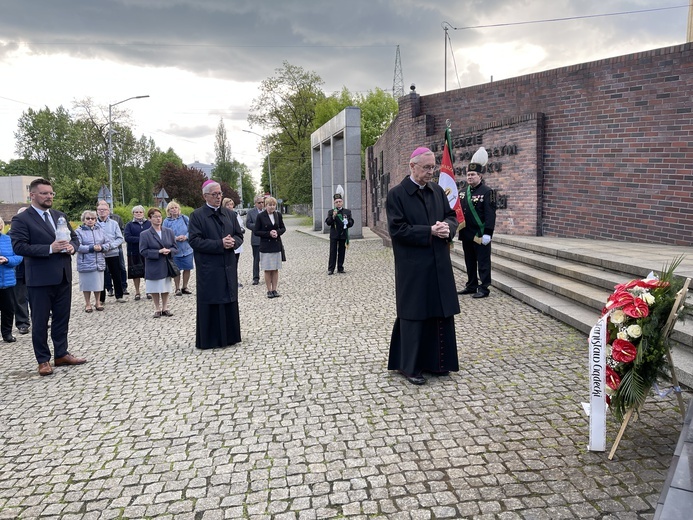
618 316
622 335
649 299
634 331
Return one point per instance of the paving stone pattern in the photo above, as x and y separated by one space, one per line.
303 421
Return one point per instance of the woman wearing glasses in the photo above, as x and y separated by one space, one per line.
91 262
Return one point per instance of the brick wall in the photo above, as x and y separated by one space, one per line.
613 146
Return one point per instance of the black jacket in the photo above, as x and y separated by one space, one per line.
337 231
263 226
485 205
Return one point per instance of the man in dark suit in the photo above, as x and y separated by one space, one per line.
48 268
250 220
339 219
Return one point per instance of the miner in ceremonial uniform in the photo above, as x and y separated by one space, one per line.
339 219
421 226
479 208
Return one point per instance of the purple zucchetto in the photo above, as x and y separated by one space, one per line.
208 182
419 151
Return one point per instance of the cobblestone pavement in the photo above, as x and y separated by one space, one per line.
303 421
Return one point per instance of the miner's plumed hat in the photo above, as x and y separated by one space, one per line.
479 160
337 196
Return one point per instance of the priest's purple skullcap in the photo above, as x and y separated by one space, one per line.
208 182
419 151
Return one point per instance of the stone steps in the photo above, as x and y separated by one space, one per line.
572 285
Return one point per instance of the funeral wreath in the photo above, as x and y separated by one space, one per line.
636 314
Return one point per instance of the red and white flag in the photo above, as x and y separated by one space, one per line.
447 180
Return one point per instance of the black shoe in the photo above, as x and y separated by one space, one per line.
414 380
23 330
275 294
270 294
341 271
256 282
481 294
125 292
467 290
9 339
330 271
110 293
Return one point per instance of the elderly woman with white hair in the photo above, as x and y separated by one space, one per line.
133 229
91 262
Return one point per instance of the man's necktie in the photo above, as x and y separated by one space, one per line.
48 220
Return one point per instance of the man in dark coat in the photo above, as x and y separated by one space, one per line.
339 219
250 220
48 270
421 225
479 208
214 234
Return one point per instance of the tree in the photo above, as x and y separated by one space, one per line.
378 109
286 109
223 162
48 139
127 159
249 188
182 183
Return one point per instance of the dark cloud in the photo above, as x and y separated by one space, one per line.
347 43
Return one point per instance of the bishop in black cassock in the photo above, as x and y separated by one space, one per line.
422 225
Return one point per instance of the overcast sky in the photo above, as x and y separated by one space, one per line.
202 60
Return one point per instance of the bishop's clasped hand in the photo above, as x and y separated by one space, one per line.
440 229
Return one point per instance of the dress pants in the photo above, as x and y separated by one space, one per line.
21 304
6 311
337 252
44 300
108 282
256 263
113 265
477 257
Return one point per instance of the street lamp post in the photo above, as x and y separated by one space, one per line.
110 142
269 165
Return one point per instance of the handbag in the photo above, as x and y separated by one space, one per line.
173 270
283 254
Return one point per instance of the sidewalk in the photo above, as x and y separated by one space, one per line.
302 420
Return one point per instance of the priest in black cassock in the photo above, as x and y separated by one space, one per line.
422 225
214 234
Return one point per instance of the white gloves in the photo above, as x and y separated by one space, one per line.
486 240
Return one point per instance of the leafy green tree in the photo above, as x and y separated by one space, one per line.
18 167
223 162
285 108
152 171
332 105
249 188
378 109
48 139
